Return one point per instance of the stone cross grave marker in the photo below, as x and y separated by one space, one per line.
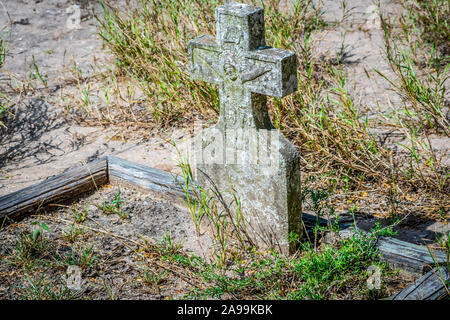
243 153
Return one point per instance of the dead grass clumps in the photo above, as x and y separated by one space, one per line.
150 85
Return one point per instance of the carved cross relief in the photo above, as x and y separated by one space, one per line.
245 69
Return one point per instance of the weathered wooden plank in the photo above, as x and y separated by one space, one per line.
144 176
58 188
433 285
409 257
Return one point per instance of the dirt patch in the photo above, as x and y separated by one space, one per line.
120 268
39 140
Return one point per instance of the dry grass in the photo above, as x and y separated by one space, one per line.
431 19
415 47
3 98
139 40
149 86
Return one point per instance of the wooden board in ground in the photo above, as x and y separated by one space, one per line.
409 257
433 285
56 189
144 177
310 222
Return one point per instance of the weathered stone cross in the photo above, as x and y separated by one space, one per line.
243 152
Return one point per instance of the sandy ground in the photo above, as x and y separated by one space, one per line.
119 266
39 142
118 262
359 41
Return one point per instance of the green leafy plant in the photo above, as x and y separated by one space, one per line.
39 229
35 73
311 274
167 245
115 207
42 289
73 233
152 277
225 220
80 215
83 257
3 49
30 246
381 231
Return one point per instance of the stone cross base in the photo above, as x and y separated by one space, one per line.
261 167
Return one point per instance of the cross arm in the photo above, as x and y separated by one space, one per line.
204 56
278 72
